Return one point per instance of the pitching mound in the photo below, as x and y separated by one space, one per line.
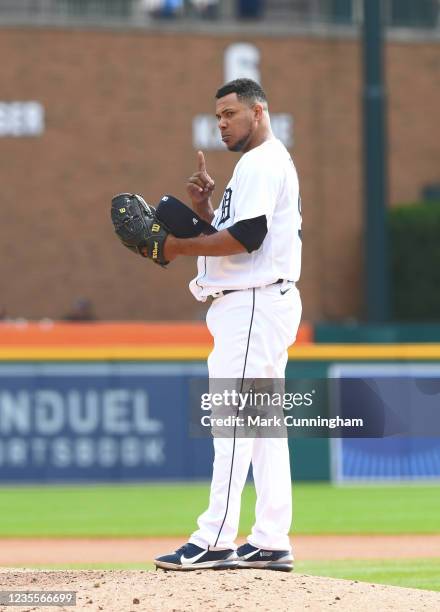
136 591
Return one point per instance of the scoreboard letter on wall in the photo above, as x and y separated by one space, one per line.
20 119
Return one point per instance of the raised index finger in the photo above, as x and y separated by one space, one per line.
201 161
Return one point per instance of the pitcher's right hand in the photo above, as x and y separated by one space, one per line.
200 185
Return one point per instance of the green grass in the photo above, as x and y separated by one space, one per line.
412 573
155 510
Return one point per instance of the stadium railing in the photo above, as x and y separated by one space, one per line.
410 14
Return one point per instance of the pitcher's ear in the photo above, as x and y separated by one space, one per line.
258 110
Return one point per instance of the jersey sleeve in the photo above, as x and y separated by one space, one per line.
258 186
250 232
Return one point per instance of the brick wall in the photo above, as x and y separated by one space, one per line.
119 107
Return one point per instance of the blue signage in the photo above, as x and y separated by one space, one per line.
408 398
99 422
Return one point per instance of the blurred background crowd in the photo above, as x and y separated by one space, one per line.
406 13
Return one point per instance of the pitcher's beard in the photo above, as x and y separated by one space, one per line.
240 145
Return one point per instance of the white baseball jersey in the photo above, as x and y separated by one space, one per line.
264 182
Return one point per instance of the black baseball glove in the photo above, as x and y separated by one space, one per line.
138 228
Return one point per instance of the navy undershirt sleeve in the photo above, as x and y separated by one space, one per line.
250 232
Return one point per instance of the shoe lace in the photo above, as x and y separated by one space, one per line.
181 550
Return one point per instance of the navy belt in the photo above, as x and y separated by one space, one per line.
226 291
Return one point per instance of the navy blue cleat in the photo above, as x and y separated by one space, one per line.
251 557
192 557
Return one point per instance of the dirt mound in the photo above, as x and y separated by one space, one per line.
139 591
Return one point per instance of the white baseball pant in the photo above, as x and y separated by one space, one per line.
252 331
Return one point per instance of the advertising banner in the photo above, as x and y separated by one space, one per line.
98 422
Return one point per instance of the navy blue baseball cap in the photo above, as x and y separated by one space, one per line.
180 219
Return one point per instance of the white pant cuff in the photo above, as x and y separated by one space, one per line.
198 542
285 546
204 544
